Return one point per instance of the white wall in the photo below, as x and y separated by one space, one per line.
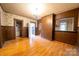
2 15
10 19
7 19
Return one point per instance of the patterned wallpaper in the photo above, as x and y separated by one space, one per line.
7 19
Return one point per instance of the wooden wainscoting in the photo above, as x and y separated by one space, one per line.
66 37
8 32
25 32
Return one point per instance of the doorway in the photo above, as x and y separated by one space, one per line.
18 28
31 29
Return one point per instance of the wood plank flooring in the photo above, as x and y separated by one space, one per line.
37 47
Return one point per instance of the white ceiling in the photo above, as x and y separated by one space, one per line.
22 9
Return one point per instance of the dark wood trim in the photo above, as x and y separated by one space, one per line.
38 31
78 36
1 37
67 31
14 29
0 31
53 29
27 30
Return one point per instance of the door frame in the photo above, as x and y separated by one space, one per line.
15 26
28 27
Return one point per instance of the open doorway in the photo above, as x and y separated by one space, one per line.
18 28
31 29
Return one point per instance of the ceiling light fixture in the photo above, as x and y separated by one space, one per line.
36 9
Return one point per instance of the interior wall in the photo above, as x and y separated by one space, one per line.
46 27
9 19
67 36
7 25
70 24
0 30
1 33
78 30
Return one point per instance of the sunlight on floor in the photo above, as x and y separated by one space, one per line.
37 47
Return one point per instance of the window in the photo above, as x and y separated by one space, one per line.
63 26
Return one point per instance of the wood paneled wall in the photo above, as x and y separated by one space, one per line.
47 27
1 37
78 31
78 37
25 32
68 37
8 32
71 13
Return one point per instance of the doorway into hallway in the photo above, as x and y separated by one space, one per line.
18 28
31 28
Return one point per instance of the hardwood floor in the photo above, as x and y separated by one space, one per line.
36 47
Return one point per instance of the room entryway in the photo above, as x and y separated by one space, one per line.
31 30
18 28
